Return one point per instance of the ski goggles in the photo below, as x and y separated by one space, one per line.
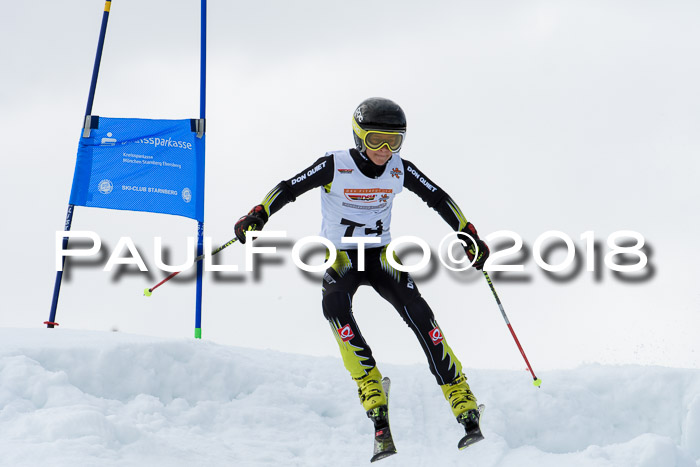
377 139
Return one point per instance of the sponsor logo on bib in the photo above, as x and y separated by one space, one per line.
366 195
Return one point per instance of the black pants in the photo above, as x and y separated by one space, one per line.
340 283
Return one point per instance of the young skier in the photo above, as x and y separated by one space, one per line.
357 190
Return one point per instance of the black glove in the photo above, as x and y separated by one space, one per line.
254 220
471 247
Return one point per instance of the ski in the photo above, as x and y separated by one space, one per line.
383 441
473 429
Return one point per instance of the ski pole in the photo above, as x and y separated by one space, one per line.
149 292
536 380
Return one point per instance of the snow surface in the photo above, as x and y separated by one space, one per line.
102 399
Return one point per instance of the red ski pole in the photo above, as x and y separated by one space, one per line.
148 292
536 380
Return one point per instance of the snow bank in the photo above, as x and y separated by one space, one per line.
108 399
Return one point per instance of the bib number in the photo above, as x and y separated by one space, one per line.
368 231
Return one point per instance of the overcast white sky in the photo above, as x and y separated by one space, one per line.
534 115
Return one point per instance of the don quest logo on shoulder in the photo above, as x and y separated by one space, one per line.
618 244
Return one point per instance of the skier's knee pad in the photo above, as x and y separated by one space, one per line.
336 305
417 314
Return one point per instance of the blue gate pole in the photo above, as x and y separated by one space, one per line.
69 215
202 115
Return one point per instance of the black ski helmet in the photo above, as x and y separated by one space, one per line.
377 113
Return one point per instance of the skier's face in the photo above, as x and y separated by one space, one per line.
379 157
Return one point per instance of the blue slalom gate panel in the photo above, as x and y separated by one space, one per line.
141 165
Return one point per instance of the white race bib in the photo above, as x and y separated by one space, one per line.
359 206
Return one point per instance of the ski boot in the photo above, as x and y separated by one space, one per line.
370 391
383 441
470 421
459 396
463 404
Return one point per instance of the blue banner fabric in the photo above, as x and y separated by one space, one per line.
141 165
